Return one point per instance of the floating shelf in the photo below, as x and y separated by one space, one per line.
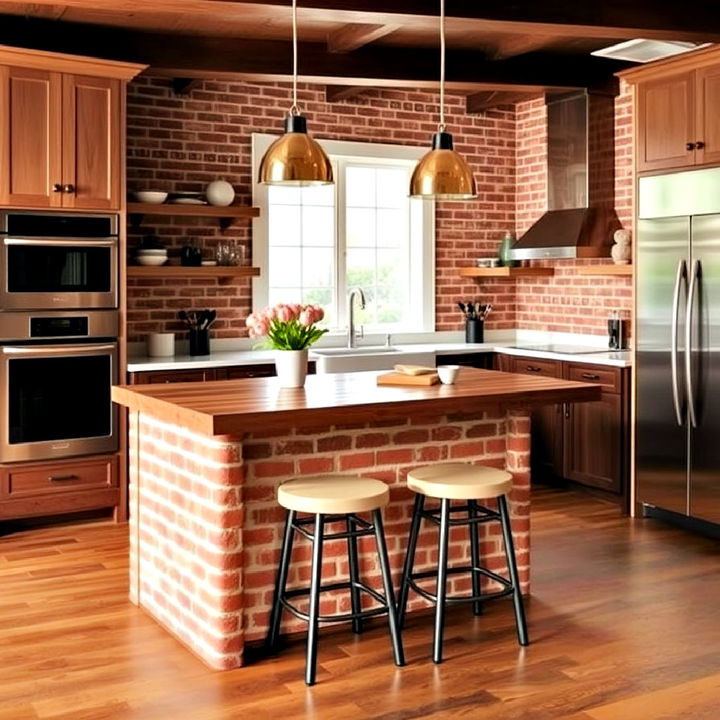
226 215
222 272
605 269
506 272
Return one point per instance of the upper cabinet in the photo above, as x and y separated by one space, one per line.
677 119
61 139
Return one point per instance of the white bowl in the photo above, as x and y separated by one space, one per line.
447 373
154 197
151 260
150 251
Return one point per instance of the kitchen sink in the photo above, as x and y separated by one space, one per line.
379 357
366 350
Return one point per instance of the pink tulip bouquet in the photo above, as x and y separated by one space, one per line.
288 327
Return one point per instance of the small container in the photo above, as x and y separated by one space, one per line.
617 338
199 342
447 373
190 254
487 262
474 331
161 344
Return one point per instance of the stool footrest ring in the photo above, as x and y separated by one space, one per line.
345 617
508 587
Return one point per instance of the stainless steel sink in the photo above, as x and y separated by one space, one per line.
369 357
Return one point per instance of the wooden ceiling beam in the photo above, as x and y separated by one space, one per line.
335 93
509 46
268 60
352 37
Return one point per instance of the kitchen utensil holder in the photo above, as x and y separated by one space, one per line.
474 331
199 342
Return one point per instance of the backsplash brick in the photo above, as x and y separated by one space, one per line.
182 142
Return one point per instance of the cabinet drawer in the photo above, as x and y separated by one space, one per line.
61 477
250 371
609 378
171 376
537 367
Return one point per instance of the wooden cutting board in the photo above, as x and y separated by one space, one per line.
395 378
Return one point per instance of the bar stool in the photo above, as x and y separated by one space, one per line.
330 499
460 481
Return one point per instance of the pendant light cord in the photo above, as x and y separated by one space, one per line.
442 65
294 110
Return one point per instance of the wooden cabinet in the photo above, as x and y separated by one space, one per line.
172 376
58 486
588 443
677 119
61 133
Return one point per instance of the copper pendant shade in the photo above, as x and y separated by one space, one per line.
442 174
295 158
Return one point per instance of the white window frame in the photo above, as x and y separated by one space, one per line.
422 290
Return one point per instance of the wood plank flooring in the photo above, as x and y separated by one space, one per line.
624 624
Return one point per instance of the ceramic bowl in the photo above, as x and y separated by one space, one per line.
447 373
154 197
151 259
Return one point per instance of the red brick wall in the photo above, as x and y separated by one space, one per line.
180 143
210 527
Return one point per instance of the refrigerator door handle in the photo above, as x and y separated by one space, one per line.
689 389
681 276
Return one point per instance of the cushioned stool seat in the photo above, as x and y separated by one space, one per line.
468 483
331 499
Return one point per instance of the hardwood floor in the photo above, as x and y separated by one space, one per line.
623 618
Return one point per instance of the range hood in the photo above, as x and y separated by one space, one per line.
580 219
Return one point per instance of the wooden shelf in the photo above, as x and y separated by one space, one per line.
226 215
605 270
223 272
506 272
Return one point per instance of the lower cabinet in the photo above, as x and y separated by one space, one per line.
588 443
235 372
58 486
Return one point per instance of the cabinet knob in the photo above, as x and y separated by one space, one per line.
689 146
532 368
69 188
699 145
57 187
62 478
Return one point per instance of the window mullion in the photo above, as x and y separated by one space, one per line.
341 245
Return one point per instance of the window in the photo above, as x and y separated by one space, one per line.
315 244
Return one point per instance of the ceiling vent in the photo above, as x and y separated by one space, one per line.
642 51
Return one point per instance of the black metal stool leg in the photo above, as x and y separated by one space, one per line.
389 593
474 556
281 581
410 557
441 580
354 575
314 611
520 622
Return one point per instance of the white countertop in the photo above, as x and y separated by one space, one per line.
228 358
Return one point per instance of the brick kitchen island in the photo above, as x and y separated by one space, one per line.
205 460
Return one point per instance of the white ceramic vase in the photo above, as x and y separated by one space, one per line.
220 193
291 367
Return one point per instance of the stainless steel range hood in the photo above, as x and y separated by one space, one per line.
580 219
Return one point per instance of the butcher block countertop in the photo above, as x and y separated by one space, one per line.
258 404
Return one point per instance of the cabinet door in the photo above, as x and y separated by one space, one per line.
91 142
546 453
594 448
30 141
708 114
666 122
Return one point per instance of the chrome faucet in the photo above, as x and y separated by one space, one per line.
352 334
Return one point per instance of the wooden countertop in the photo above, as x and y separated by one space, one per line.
241 406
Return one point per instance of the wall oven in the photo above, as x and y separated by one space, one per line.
58 260
56 370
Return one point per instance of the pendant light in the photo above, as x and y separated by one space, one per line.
441 173
295 158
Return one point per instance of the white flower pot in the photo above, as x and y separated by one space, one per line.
291 367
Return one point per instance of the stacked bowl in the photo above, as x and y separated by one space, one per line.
151 256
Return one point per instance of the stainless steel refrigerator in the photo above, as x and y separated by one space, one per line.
677 449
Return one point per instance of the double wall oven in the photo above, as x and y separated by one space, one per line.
58 334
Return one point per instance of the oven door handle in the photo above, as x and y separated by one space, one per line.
67 242
57 349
